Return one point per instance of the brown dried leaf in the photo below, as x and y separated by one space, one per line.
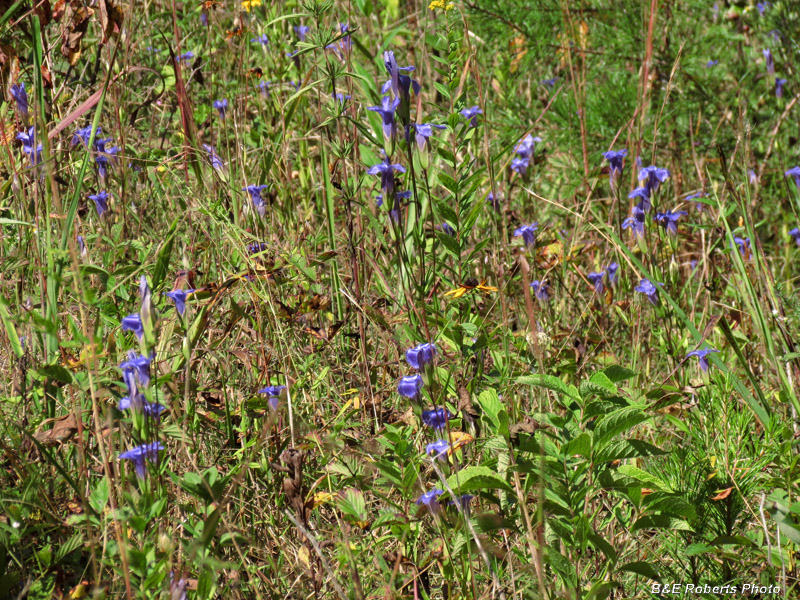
111 18
63 430
73 28
722 494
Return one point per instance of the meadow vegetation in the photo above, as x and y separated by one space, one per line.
395 299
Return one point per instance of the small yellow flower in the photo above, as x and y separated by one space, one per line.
440 4
470 284
247 5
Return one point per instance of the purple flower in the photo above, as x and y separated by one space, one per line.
399 84
257 199
520 165
83 134
549 82
762 7
436 418
133 323
472 115
697 205
186 56
611 271
597 280
541 290
81 245
256 247
100 201
494 202
301 31
635 222
105 156
711 63
644 194
795 235
447 229
340 98
140 455
752 176
136 372
779 83
422 131
614 158
437 449
702 356
528 233
743 245
386 170
213 157
345 43
647 288
222 107
463 501
653 177
527 145
386 110
179 298
273 393
430 500
29 146
410 386
262 39
794 172
420 355
264 88
770 61
150 409
20 96
669 220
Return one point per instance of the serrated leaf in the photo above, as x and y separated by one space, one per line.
617 422
598 384
476 479
644 477
551 383
622 449
615 373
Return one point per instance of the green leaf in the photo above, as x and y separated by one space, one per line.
475 479
162 260
450 243
581 445
494 410
661 522
598 384
99 496
645 569
551 383
644 477
615 373
622 449
11 330
55 372
617 422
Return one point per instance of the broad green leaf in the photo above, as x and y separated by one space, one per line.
99 496
475 479
494 410
551 383
644 477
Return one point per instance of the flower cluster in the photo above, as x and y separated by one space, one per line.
524 151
